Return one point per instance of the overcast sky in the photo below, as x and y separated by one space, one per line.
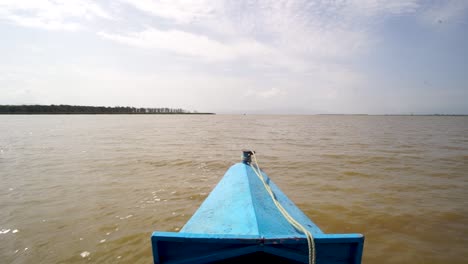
292 57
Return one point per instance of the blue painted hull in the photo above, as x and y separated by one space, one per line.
238 221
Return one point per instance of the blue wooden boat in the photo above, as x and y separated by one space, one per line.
241 221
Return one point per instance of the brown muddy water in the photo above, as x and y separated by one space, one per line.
92 188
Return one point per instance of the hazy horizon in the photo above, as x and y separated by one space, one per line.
236 57
250 112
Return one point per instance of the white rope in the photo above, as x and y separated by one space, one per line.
287 216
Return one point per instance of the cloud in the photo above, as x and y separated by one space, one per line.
315 52
310 40
326 29
372 8
289 35
265 94
449 11
51 15
268 33
179 42
178 11
319 29
204 48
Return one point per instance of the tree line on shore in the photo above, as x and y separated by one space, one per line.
77 109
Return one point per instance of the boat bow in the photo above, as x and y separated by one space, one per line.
239 220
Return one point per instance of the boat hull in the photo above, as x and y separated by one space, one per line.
239 221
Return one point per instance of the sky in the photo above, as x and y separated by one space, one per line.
238 56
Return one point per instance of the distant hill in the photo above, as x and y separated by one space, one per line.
93 110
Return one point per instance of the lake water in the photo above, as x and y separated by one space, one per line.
92 188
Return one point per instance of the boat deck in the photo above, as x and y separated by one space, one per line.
239 221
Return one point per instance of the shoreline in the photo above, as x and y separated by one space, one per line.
67 113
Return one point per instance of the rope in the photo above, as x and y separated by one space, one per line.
287 216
